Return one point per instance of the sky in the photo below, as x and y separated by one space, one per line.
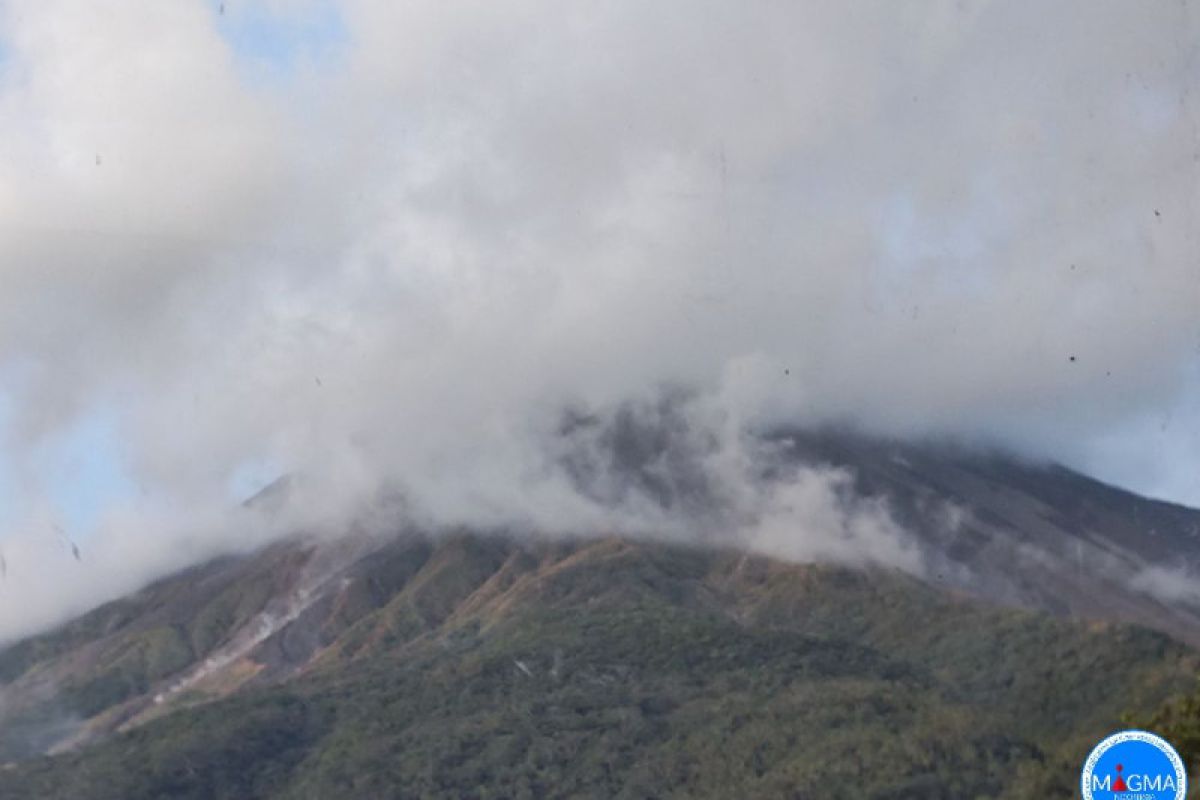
386 245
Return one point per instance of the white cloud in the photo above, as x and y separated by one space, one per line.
402 266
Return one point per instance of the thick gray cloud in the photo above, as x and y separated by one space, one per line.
400 262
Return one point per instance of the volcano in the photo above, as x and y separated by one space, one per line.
467 663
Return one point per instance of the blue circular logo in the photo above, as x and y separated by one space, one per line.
1133 765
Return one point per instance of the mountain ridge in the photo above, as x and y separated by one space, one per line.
1007 641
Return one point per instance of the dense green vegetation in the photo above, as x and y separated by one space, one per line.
633 671
1177 720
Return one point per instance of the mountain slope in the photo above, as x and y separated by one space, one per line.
478 666
1030 535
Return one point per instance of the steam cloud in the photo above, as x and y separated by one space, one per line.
424 257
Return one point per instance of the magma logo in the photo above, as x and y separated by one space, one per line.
1133 765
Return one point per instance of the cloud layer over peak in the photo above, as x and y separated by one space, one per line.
397 255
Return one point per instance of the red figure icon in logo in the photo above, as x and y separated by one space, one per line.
1119 783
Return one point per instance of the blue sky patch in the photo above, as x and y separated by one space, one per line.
273 45
83 470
